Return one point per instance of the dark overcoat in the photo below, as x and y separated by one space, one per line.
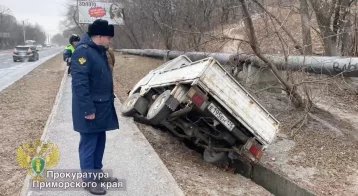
92 88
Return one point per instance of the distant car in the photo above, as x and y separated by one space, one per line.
22 53
39 47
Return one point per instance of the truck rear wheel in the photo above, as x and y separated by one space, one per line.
159 110
215 158
133 104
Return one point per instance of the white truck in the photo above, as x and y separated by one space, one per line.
202 103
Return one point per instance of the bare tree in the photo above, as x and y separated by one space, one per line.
306 28
13 30
324 11
297 45
70 24
249 26
162 12
59 39
345 25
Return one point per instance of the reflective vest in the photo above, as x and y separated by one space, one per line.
70 47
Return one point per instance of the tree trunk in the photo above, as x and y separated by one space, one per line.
336 21
168 39
77 24
330 46
346 39
225 14
306 28
131 36
345 27
324 22
355 52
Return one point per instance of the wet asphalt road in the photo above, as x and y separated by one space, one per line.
11 71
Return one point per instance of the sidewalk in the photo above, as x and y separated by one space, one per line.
128 154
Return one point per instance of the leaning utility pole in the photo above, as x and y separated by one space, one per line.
23 31
328 65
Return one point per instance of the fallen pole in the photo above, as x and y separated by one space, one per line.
314 64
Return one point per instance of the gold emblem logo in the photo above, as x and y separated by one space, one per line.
82 60
37 157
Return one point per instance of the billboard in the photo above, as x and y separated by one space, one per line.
90 10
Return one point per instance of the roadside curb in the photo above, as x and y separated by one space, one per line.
269 179
276 183
25 186
178 191
55 106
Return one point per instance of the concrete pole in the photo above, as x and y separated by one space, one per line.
347 66
23 31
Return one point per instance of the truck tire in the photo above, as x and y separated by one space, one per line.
158 111
215 158
133 104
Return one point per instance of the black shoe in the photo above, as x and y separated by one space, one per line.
109 179
97 190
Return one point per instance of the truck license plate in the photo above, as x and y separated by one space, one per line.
221 117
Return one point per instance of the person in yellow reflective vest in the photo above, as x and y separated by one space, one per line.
67 54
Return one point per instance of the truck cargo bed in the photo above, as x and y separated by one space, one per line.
211 76
235 99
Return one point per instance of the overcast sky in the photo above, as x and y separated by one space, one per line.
46 13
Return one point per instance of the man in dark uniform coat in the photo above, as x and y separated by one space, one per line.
93 109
